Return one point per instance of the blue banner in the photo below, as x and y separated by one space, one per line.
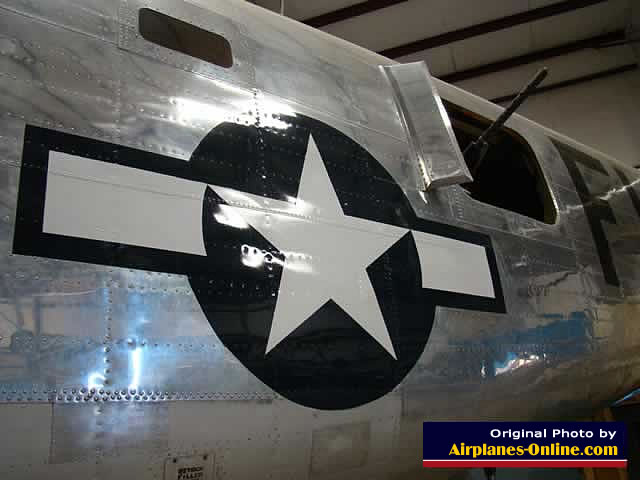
524 444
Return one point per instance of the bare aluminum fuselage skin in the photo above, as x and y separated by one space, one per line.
107 372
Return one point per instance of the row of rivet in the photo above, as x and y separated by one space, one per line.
101 395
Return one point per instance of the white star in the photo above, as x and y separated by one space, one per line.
326 252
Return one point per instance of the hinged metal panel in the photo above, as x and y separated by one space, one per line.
433 145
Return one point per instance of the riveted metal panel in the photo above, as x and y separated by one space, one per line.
91 17
316 70
129 38
83 431
392 153
471 211
323 86
535 230
550 160
27 433
58 78
169 111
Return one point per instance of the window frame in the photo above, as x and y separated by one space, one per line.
221 56
531 155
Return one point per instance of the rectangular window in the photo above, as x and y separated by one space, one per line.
509 176
185 38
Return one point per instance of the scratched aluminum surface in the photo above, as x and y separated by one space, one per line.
433 143
106 372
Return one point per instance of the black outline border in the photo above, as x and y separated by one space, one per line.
29 239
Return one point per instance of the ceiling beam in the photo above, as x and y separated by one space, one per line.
350 12
573 81
488 27
536 56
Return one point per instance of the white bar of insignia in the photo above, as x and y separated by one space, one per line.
97 200
453 265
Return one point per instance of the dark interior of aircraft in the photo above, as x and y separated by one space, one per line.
509 175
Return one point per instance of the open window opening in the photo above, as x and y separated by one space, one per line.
185 38
509 176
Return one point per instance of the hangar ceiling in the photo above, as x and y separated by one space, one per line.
491 48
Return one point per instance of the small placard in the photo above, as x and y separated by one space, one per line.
195 467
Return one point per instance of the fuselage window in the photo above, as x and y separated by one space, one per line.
509 175
185 38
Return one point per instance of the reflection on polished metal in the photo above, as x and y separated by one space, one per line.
111 371
433 144
337 250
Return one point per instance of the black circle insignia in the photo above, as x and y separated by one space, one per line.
329 361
